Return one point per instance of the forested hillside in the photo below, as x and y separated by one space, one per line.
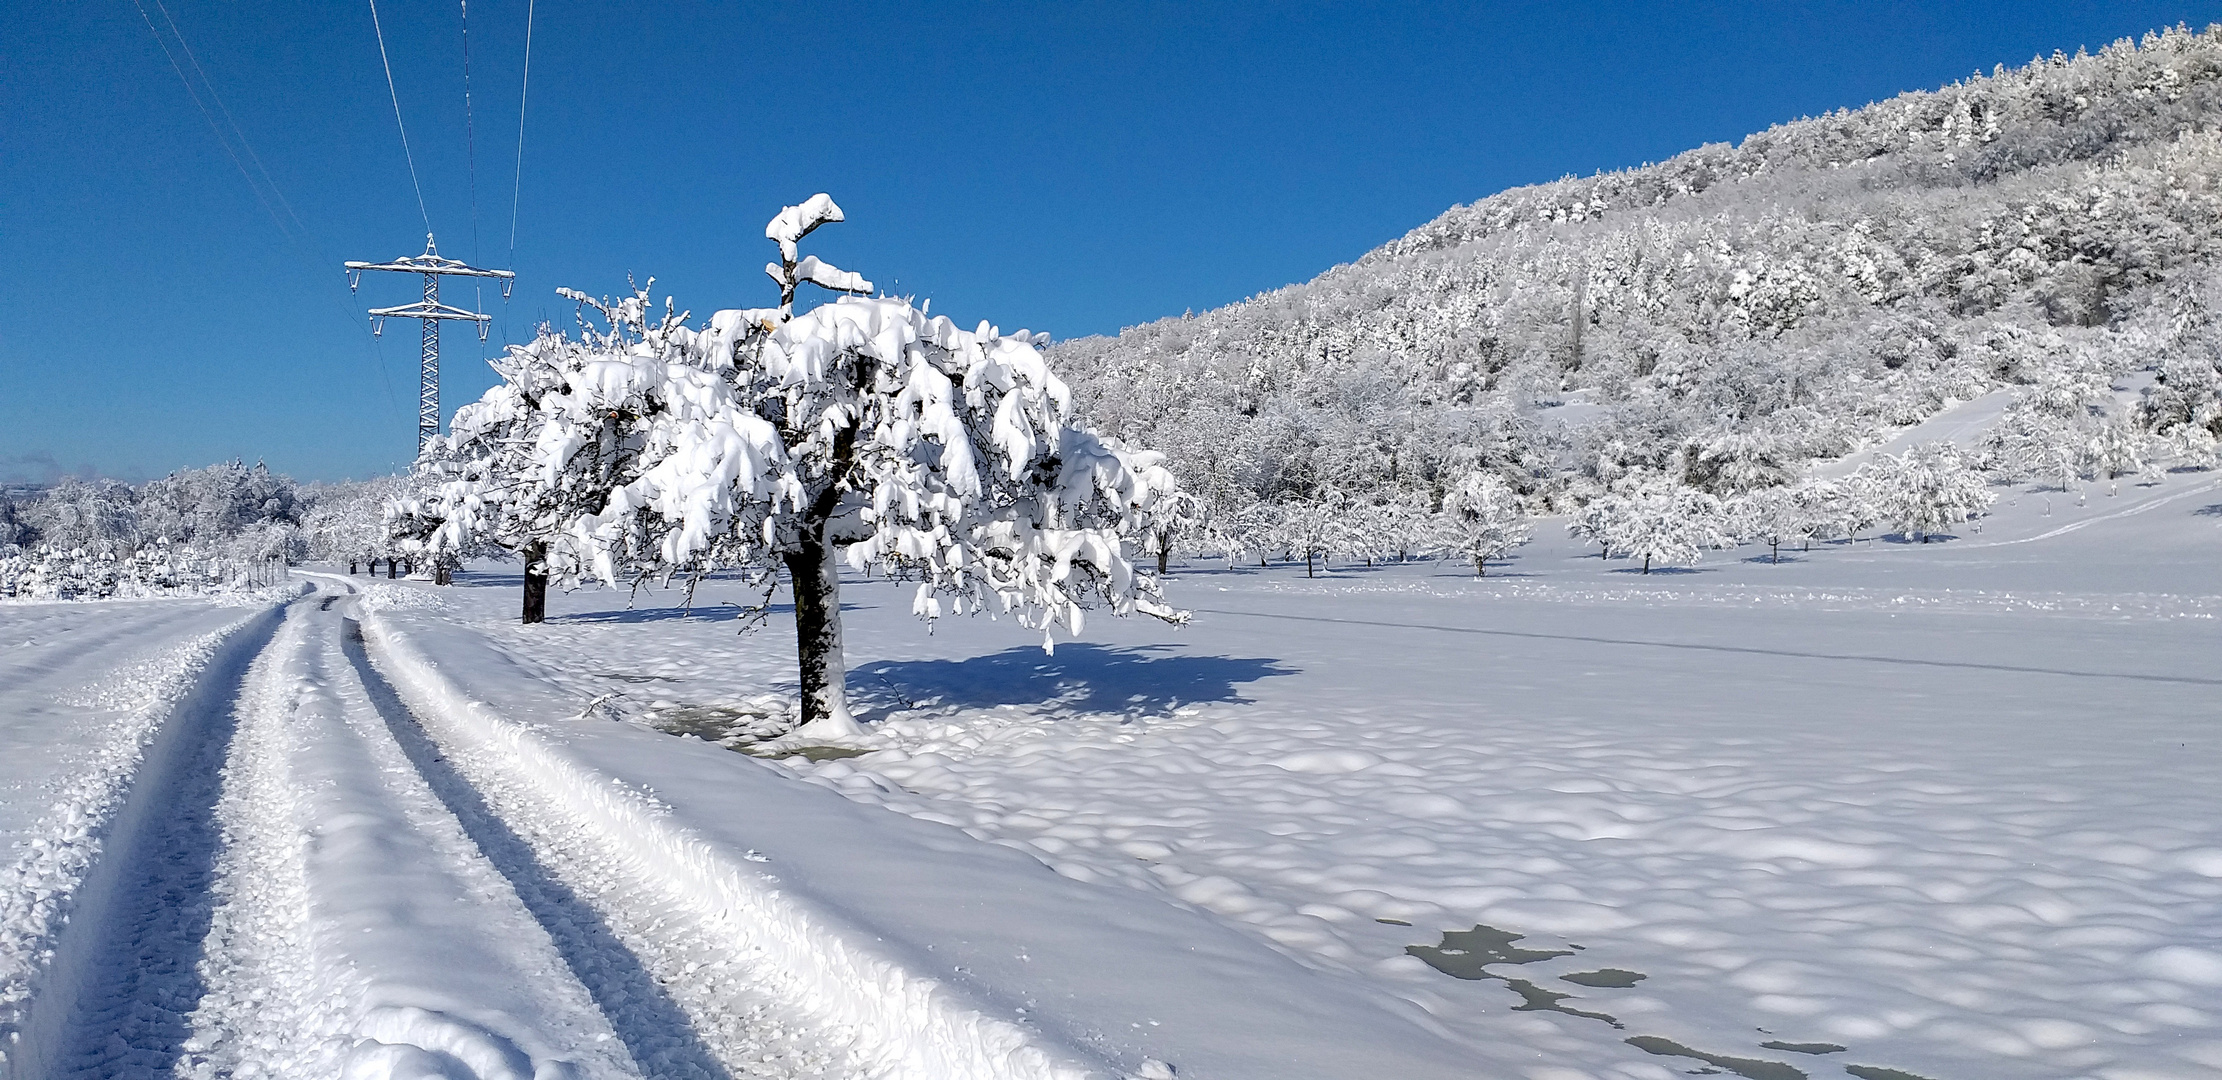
1721 320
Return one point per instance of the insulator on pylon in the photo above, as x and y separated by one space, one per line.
482 332
505 284
378 326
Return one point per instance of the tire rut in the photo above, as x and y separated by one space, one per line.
687 1004
135 943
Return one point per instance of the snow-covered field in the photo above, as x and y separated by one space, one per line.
1883 809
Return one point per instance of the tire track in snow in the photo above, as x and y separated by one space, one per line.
134 944
685 1004
361 931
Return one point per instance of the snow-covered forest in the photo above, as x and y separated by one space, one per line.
1689 337
226 526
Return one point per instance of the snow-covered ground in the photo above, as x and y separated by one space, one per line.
1881 810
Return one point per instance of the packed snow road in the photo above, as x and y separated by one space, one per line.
280 872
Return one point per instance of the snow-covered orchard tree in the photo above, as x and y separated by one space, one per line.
1928 488
862 428
1771 515
532 467
1664 523
1486 519
345 523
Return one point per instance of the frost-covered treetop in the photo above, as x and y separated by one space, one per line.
954 449
791 225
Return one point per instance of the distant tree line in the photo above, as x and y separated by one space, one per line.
223 526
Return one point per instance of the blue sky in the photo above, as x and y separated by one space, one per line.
1065 167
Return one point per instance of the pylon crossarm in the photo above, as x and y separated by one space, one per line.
422 310
429 264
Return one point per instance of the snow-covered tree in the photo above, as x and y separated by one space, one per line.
1664 523
863 428
1738 462
1928 488
345 523
1486 519
532 467
2115 448
1771 515
89 515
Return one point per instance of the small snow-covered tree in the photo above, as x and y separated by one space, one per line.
345 523
1486 519
1740 462
1311 528
1770 515
1592 523
1664 523
533 466
2116 449
1928 488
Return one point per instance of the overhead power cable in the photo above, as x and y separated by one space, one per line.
223 138
470 128
517 187
298 234
396 96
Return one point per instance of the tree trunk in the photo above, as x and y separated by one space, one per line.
351 569
1164 552
1308 563
1776 543
817 585
1647 564
393 569
1481 568
536 583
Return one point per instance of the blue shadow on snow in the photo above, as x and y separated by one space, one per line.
1141 680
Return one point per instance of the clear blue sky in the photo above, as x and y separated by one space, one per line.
1066 167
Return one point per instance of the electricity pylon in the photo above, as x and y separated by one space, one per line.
430 311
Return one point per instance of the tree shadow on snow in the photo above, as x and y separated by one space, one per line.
1663 571
700 613
1142 680
2209 511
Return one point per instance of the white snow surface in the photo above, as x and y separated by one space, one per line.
1948 806
86 691
1883 809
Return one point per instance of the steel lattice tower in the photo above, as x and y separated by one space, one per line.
430 311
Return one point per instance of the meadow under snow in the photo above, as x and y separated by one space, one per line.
1936 810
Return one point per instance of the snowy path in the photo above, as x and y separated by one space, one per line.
293 876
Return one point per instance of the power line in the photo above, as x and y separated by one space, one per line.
396 95
517 184
470 126
229 119
523 92
214 129
299 236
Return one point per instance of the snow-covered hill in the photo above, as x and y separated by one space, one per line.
1817 287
